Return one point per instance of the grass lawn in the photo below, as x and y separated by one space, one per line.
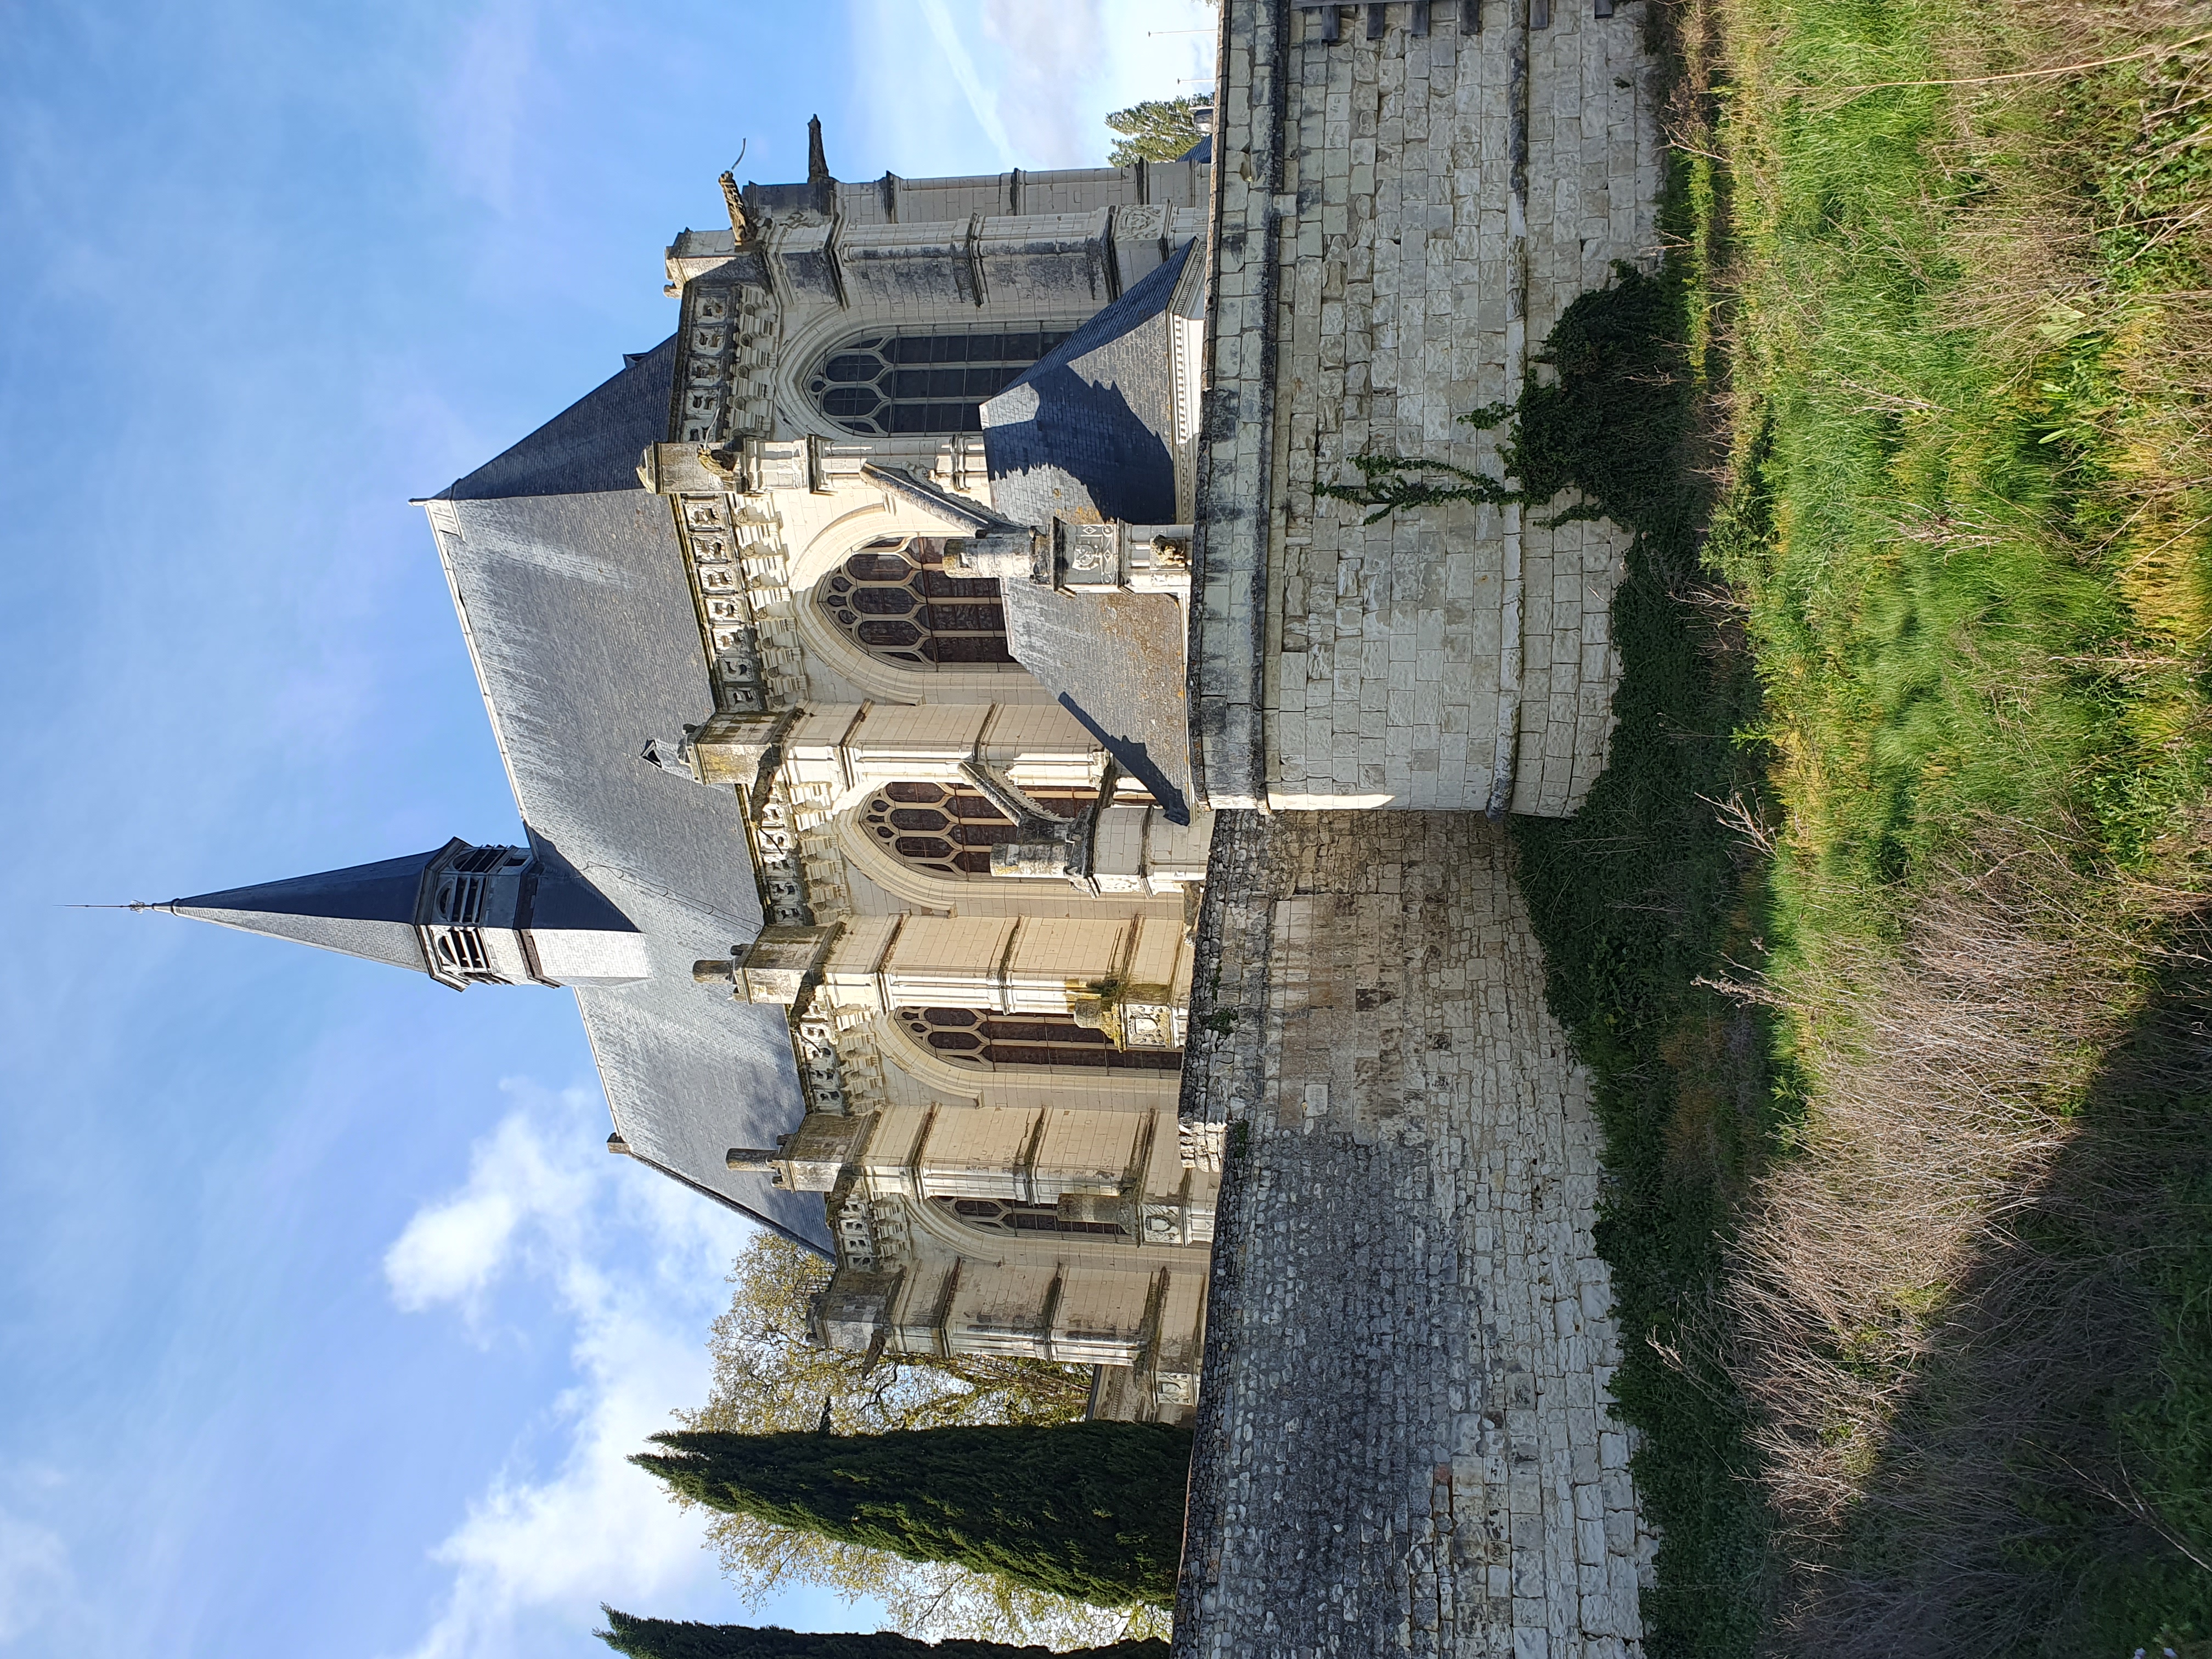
1907 1221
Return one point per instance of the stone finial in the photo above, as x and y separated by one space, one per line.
750 1160
713 970
617 1145
853 1313
817 164
735 747
674 468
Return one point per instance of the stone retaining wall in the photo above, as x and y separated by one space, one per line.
1403 1440
1401 221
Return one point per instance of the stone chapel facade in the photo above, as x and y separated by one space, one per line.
870 659
880 837
978 922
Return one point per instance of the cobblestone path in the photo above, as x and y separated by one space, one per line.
1403 1444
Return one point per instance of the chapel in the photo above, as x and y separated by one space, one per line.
834 649
869 660
965 701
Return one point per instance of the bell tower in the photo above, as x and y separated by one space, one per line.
462 914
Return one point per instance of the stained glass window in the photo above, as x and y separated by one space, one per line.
948 829
977 1037
889 385
1006 1215
896 599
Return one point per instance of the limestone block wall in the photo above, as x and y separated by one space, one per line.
1401 219
1403 1438
893 200
1014 964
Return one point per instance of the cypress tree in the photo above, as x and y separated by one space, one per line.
667 1639
1093 1510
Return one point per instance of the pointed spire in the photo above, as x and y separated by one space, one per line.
365 910
462 914
818 165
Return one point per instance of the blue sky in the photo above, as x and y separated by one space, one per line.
326 1320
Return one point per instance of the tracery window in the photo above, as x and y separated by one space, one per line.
896 598
977 1037
1006 1215
885 384
948 829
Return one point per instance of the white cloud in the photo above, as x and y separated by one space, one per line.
453 1251
1049 49
35 1580
1035 80
635 1263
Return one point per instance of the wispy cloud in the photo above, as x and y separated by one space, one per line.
35 1580
981 103
481 108
635 1264
1049 50
1036 80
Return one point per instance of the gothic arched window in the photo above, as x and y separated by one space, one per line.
1006 1215
897 601
978 1038
948 829
886 385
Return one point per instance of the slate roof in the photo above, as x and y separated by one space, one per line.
570 587
593 446
1115 662
1088 432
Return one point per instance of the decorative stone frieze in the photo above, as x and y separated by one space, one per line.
724 383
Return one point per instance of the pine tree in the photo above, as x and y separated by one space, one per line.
668 1639
1158 130
1091 1511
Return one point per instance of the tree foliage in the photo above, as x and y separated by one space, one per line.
1158 130
769 1378
669 1639
1088 1510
